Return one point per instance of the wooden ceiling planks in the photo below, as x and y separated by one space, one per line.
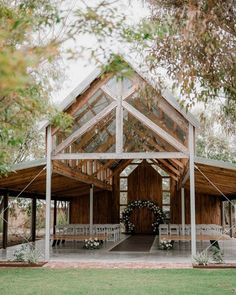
224 179
65 170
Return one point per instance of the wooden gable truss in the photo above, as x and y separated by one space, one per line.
115 123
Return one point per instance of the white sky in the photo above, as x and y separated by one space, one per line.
78 69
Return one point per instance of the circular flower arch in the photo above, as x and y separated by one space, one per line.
158 214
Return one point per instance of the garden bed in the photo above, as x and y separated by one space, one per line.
20 264
216 266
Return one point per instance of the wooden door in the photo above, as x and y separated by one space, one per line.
144 183
142 218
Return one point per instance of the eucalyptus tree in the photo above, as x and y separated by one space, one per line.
24 94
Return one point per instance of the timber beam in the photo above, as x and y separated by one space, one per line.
64 170
86 127
25 194
120 168
116 156
158 130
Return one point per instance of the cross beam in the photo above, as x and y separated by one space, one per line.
120 156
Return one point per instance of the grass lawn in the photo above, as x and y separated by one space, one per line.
116 281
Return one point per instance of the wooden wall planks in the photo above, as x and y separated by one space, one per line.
208 209
102 212
144 183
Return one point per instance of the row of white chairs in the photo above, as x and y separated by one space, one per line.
201 229
111 230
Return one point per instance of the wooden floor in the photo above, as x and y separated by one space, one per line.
135 243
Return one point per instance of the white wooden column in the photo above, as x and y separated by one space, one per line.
91 210
119 125
192 191
48 193
183 210
234 220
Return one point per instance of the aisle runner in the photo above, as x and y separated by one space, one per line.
135 243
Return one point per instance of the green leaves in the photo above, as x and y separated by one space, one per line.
196 43
118 67
62 120
23 94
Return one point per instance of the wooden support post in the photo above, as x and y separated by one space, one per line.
119 124
183 210
33 219
48 194
234 220
55 217
222 214
230 220
91 210
192 191
5 222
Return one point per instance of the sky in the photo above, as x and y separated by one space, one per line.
78 69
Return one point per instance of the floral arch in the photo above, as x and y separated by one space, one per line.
158 213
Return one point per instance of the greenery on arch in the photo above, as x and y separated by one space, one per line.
158 213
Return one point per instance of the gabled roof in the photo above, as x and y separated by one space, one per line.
222 174
95 74
165 92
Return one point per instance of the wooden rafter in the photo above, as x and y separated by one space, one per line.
155 144
162 104
166 168
86 127
158 119
84 98
120 168
63 169
89 135
89 107
147 122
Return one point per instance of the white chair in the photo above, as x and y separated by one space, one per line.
174 229
185 230
199 229
163 229
79 229
69 229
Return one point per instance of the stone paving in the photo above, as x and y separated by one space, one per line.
72 255
119 265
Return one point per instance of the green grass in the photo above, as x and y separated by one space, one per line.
116 281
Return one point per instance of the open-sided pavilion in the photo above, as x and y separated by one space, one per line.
129 141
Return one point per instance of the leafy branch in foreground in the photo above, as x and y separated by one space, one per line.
24 48
196 41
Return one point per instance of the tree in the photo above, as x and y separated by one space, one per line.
24 95
31 37
195 40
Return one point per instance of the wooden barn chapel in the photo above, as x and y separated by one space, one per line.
127 165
